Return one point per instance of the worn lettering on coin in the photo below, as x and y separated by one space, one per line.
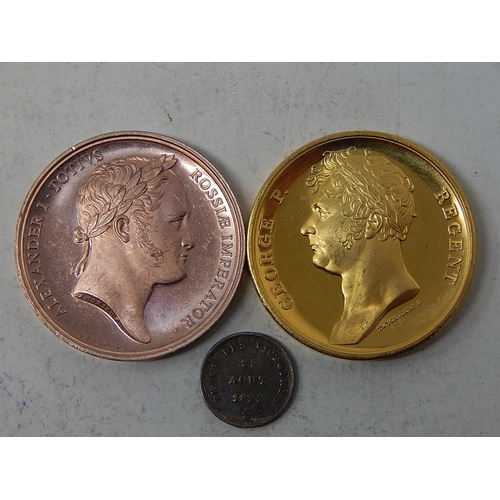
247 379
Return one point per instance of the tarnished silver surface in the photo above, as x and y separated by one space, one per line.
247 379
130 246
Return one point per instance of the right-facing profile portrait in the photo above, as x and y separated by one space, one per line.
362 210
133 225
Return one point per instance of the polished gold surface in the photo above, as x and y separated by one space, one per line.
361 245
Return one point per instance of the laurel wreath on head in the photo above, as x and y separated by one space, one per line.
121 203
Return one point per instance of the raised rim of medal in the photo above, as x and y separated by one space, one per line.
276 173
111 137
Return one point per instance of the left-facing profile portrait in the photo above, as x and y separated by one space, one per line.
133 225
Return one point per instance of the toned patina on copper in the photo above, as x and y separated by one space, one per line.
130 245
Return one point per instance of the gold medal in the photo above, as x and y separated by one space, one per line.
361 245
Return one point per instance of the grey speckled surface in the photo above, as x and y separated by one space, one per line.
245 118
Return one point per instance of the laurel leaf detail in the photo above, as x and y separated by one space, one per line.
107 217
123 208
118 199
151 173
134 180
99 230
92 223
135 191
169 162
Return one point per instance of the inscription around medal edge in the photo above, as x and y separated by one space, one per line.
222 275
71 169
282 370
266 260
33 250
35 227
277 196
213 389
205 184
455 245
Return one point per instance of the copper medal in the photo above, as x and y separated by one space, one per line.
130 246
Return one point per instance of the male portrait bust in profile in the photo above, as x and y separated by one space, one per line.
133 225
361 212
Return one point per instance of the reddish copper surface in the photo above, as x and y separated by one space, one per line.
130 246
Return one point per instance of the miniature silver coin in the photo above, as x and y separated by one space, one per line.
247 379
